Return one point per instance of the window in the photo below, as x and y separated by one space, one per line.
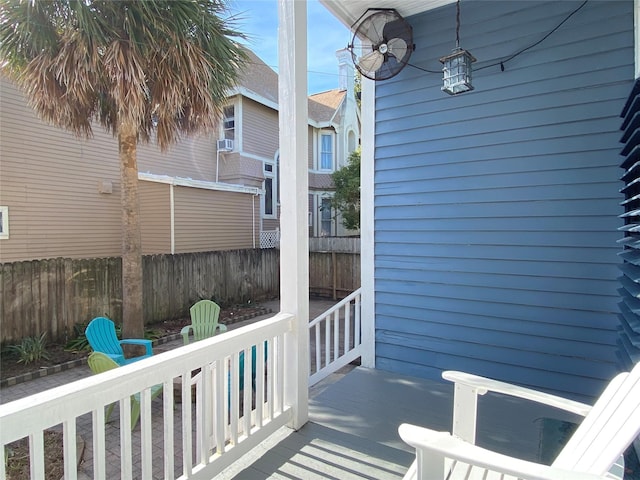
229 121
4 223
326 221
270 206
326 151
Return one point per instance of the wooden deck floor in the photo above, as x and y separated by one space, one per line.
352 430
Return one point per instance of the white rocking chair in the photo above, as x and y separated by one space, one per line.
592 452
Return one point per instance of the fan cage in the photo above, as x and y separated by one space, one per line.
380 36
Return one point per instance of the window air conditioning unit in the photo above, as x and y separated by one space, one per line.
225 145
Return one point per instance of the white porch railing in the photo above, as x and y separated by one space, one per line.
334 338
209 416
213 416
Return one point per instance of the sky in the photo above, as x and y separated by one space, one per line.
258 19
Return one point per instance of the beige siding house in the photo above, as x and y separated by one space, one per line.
60 196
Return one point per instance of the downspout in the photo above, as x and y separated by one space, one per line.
253 218
172 216
217 162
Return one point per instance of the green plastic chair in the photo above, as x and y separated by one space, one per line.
204 321
98 363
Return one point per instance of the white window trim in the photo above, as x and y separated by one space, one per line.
274 190
4 234
236 103
317 214
319 168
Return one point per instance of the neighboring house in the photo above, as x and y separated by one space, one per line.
496 211
252 157
334 133
59 195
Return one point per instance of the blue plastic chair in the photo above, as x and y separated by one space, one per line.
101 334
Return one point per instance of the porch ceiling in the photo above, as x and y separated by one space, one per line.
348 11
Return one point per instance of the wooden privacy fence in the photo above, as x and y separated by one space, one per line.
334 266
53 295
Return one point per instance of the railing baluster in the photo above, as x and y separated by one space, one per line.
356 335
98 444
145 433
279 377
234 410
347 327
270 379
36 453
260 373
207 413
336 335
70 450
168 429
327 340
198 398
126 448
187 431
221 401
318 347
248 386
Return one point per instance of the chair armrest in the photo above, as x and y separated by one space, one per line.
185 334
434 447
483 385
139 341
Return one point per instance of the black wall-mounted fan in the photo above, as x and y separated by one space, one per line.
382 43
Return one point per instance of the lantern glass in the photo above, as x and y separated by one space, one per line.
457 72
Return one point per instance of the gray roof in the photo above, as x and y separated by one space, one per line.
261 79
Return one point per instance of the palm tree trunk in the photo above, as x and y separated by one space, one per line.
132 319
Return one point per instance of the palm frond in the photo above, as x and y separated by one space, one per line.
123 62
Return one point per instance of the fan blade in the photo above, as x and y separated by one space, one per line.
371 62
398 48
372 28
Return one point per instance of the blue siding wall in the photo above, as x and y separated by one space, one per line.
496 210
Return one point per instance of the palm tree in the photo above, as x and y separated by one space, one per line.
154 69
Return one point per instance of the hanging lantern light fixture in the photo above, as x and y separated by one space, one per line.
457 65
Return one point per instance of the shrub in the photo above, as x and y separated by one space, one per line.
30 349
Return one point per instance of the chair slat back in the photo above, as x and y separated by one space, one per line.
101 334
99 362
607 430
204 319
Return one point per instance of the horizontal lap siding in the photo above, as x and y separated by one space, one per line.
495 211
208 220
155 215
49 181
259 129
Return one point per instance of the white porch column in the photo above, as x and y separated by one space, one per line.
294 243
367 229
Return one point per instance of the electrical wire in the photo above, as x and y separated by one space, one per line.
511 57
505 60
